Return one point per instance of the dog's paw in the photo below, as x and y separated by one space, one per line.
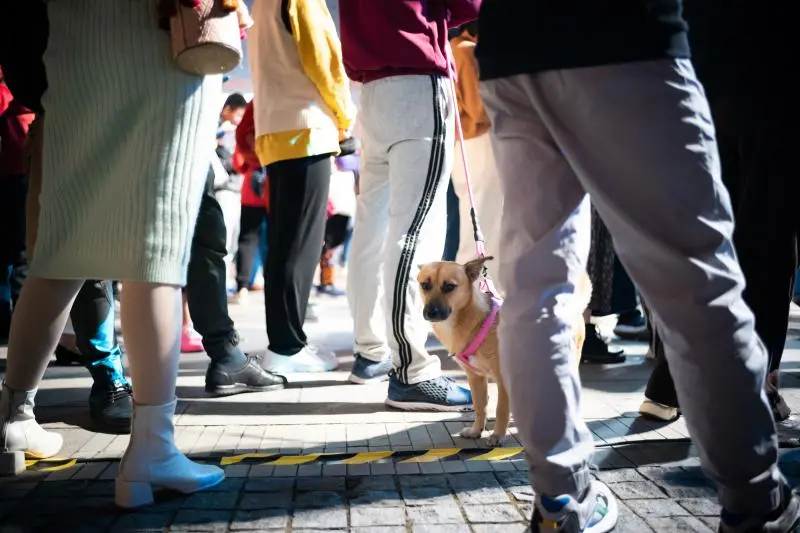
494 440
470 433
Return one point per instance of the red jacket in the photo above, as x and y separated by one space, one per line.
15 120
245 160
382 38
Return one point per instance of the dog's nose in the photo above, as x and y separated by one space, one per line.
435 313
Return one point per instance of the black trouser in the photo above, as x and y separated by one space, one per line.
298 196
92 317
660 387
249 236
206 288
335 231
13 259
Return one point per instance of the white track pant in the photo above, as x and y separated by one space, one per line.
407 157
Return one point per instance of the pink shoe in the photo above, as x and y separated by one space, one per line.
191 341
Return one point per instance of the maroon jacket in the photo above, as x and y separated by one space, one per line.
382 38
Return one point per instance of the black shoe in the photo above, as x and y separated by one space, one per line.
596 350
222 381
784 519
66 357
632 326
111 398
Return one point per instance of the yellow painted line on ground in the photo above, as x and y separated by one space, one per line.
433 455
366 457
68 464
498 454
294 459
233 459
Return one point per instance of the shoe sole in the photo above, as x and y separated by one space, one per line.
352 378
424 406
241 388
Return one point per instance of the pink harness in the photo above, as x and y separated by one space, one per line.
466 356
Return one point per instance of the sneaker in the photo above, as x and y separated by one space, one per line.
222 381
597 512
780 409
368 371
438 394
632 326
785 519
191 341
309 359
329 290
658 411
240 298
111 396
311 315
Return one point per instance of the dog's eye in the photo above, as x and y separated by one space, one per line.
426 285
448 287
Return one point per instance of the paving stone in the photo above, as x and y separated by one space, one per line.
211 500
229 484
418 496
678 524
269 484
492 514
518 527
472 480
429 514
423 481
375 483
271 500
656 508
689 488
510 480
320 518
307 484
142 521
701 506
388 529
319 500
191 520
15 491
261 519
377 516
619 476
483 495
711 521
629 490
629 522
452 528
377 498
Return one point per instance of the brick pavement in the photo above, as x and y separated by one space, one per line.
659 483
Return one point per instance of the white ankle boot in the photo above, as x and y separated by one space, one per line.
153 461
21 436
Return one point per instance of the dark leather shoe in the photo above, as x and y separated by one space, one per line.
596 350
110 400
222 381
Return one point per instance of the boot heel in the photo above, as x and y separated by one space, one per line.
12 463
131 494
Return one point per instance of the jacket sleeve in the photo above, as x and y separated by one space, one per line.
462 11
467 88
321 55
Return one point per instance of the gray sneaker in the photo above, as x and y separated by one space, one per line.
596 512
785 519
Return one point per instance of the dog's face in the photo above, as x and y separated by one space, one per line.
447 287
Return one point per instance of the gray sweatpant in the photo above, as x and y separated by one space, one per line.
639 139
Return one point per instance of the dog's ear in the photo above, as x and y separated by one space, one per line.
475 267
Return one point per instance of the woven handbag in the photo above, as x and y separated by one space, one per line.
205 39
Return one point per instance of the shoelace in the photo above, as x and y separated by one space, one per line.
120 391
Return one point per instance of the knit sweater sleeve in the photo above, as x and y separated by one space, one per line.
321 55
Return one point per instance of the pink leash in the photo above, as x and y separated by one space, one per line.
485 283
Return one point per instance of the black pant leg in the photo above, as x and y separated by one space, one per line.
249 232
298 198
13 257
206 281
92 316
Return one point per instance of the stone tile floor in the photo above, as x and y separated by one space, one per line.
659 483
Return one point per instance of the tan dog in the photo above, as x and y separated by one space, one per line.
459 313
